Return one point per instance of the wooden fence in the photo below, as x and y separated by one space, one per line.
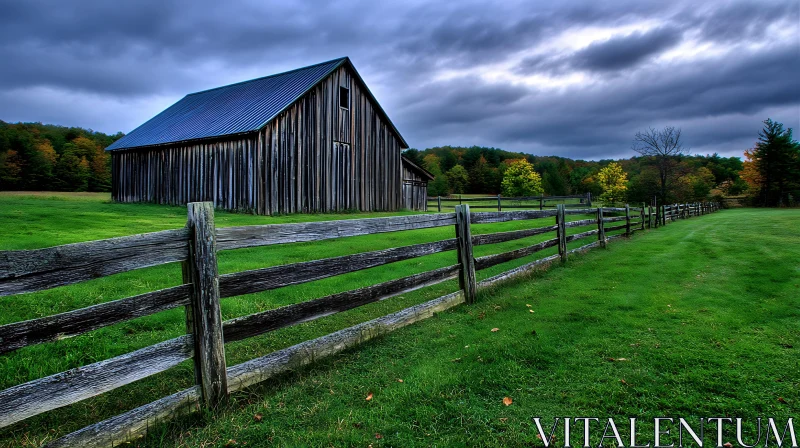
196 247
500 203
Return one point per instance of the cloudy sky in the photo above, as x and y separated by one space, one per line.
569 78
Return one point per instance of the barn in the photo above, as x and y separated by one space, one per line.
415 185
313 139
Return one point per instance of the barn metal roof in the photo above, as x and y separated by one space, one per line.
233 109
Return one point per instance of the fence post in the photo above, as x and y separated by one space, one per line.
655 207
499 207
663 215
641 216
541 203
439 203
209 352
601 227
627 221
466 277
589 199
562 232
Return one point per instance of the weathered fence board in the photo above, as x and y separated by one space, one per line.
73 323
258 280
255 324
466 275
501 237
488 261
490 217
253 236
62 389
24 271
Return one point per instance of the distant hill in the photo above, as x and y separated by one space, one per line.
36 156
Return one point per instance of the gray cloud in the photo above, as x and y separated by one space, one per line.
626 51
111 66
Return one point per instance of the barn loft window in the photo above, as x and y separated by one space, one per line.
344 97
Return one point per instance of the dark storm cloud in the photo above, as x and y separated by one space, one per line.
626 51
433 66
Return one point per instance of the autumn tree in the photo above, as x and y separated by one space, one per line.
520 179
438 186
664 148
613 181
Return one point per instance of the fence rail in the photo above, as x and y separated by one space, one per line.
500 202
196 247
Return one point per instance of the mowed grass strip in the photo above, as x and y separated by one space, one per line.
45 219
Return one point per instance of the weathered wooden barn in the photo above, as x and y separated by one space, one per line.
313 139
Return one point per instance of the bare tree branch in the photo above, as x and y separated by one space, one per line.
665 148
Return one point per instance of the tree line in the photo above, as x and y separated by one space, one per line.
35 156
483 170
44 157
660 168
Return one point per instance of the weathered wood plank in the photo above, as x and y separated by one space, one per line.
614 219
23 271
132 424
259 323
72 323
578 236
466 277
488 261
582 222
253 236
206 313
491 217
263 368
265 279
501 237
620 227
62 389
585 247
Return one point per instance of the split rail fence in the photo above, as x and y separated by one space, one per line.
502 202
196 247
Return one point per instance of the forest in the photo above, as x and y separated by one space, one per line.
481 170
45 157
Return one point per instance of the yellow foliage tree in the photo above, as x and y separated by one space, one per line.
519 179
613 181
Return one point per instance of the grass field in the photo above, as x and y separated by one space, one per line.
705 311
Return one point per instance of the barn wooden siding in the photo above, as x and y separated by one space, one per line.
415 190
313 157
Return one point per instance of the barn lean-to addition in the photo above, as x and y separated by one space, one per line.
313 139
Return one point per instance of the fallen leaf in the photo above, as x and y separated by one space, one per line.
623 382
456 360
507 401
496 307
494 330
504 419
782 400
258 417
531 311
399 380
528 305
728 445
378 435
466 346
481 315
231 442
369 396
621 359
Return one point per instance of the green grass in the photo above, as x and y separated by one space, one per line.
705 310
